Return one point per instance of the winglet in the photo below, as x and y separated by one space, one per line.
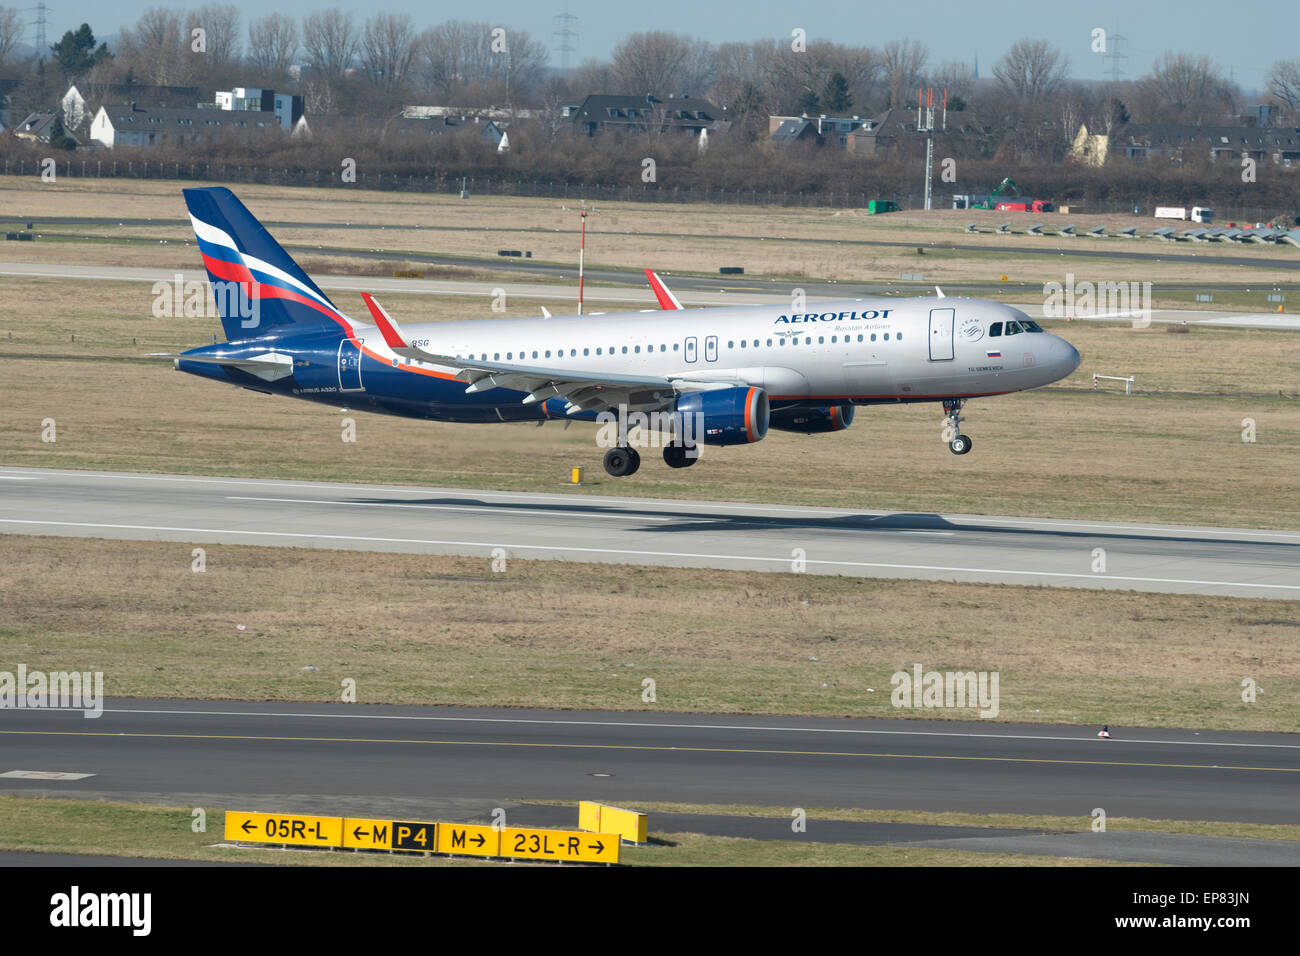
666 299
387 327
940 291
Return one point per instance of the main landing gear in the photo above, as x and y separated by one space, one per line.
625 460
958 443
622 461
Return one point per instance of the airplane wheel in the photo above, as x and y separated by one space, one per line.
961 444
676 456
619 462
636 461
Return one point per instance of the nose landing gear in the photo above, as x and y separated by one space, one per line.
958 443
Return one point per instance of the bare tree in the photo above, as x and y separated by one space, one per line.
1283 79
957 78
388 49
329 39
903 62
662 64
154 49
1031 70
459 56
220 23
1183 87
11 31
272 45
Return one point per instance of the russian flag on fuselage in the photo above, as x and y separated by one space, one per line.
258 288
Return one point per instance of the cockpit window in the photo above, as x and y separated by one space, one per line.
1030 325
1013 328
995 330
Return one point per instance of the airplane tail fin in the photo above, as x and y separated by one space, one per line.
260 291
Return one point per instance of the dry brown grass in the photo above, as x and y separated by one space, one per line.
1053 453
765 240
443 630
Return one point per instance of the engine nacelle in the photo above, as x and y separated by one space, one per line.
727 416
812 419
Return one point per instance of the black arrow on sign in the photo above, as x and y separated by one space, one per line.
357 832
597 846
247 825
478 840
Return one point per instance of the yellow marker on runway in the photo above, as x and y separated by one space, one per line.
575 477
291 828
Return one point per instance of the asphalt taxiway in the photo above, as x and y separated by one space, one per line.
461 764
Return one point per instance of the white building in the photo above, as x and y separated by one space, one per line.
286 107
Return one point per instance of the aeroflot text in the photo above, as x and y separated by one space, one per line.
836 316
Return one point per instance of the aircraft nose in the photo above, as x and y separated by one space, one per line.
1068 357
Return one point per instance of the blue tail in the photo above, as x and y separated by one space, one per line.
260 291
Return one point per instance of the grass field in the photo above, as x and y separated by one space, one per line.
444 630
789 243
111 828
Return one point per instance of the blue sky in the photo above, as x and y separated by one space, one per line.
1244 36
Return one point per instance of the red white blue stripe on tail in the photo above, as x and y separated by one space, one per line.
266 293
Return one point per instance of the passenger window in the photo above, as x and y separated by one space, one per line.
873 336
835 340
808 340
586 352
898 336
731 345
496 356
743 343
548 353
821 340
675 346
597 351
995 330
534 353
886 336
637 349
859 336
509 356
625 350
781 341
769 343
755 343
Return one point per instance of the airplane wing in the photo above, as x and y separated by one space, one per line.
665 296
268 366
583 391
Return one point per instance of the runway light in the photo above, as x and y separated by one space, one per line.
575 477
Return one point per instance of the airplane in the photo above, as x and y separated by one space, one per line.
719 377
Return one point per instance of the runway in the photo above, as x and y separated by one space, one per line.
462 763
690 290
626 530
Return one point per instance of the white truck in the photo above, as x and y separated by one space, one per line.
1196 214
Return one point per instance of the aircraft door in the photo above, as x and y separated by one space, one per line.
941 327
692 348
711 349
350 365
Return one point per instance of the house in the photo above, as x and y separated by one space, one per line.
1176 142
895 130
600 112
823 130
132 125
39 128
80 104
287 108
